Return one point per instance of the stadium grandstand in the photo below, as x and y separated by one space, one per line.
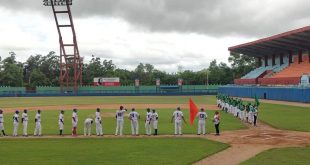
283 68
282 59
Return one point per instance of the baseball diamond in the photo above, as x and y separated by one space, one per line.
154 82
236 134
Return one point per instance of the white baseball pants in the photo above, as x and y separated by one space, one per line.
25 128
201 126
15 128
134 127
119 127
37 130
99 128
178 127
148 128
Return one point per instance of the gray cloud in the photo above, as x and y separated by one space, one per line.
211 17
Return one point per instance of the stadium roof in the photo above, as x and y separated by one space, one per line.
294 40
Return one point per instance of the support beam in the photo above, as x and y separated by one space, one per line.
274 48
273 60
266 61
299 56
290 57
259 59
290 43
259 52
281 59
309 54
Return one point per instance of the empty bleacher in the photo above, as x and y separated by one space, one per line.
290 75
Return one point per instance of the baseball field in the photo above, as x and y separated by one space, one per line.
280 126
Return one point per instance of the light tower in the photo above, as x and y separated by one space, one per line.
71 64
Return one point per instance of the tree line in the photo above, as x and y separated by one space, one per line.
43 70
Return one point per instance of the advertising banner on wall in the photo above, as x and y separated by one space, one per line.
158 82
137 82
105 81
180 82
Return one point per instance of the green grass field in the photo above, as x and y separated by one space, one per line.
285 117
279 116
141 150
48 101
50 122
296 156
107 151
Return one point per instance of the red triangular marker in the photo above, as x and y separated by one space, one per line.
193 110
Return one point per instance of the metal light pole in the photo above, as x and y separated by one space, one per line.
71 64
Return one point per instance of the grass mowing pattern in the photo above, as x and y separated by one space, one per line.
172 151
280 156
50 122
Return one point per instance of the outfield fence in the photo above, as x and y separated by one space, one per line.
292 94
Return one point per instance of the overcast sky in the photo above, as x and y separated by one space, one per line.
165 33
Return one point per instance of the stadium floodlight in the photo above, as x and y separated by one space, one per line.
57 2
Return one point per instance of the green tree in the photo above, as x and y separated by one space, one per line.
38 78
50 67
12 75
93 69
33 62
241 64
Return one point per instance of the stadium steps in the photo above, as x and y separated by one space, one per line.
290 75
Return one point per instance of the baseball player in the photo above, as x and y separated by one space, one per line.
61 123
15 123
37 119
2 122
120 120
255 115
178 117
155 121
148 120
251 114
74 122
202 116
98 123
87 126
25 122
134 117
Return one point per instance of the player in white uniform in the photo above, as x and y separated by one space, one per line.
25 122
98 123
202 116
74 122
155 121
87 126
61 122
134 117
15 123
38 129
120 120
2 123
178 117
148 119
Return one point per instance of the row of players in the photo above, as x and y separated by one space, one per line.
151 119
245 112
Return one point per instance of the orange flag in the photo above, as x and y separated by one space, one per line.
193 110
